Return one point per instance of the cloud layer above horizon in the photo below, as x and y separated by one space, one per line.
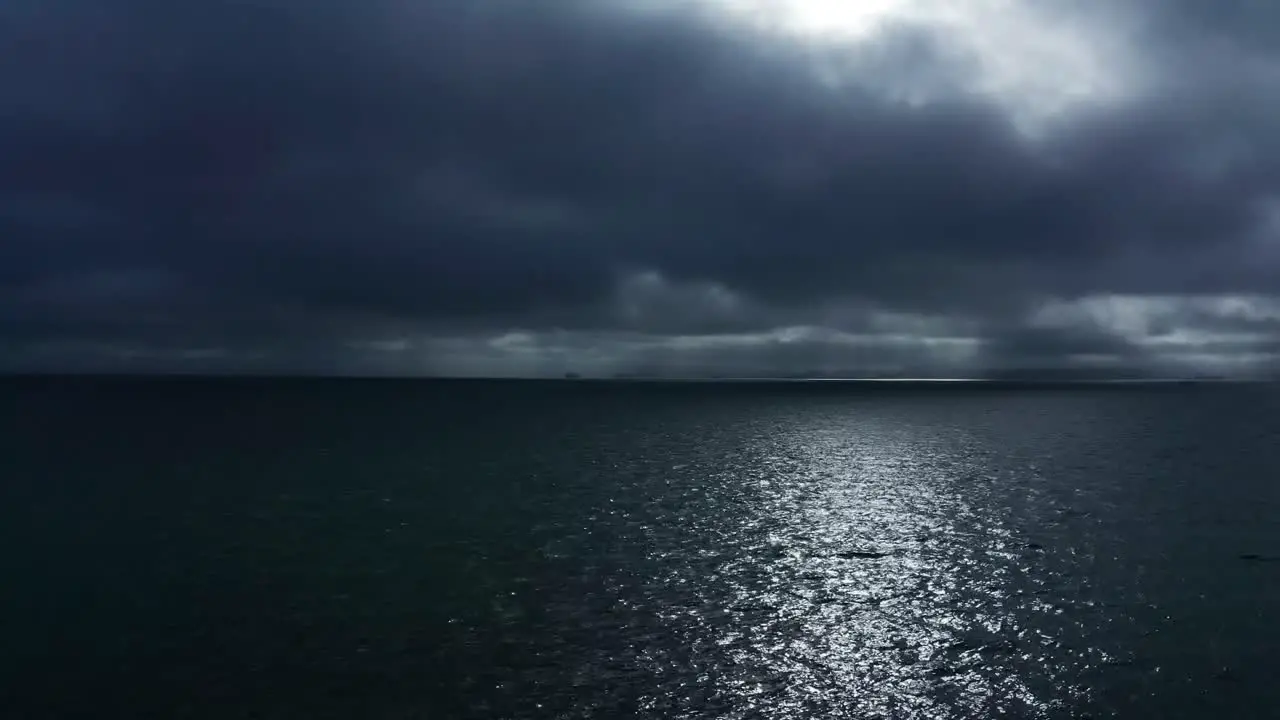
500 187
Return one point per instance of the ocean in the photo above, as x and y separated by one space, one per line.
379 549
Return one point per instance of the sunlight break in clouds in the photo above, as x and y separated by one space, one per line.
818 18
1039 63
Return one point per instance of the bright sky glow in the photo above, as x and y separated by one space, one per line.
1037 64
818 18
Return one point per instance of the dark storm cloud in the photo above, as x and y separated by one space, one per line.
226 180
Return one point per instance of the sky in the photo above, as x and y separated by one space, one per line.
944 188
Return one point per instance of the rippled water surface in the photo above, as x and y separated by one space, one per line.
578 550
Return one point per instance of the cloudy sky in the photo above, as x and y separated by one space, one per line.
507 187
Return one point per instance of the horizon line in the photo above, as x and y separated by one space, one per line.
636 378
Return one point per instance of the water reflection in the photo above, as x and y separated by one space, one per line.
858 571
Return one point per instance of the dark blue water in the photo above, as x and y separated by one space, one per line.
310 549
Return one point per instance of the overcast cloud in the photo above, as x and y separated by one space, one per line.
497 187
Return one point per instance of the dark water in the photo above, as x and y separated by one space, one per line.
392 550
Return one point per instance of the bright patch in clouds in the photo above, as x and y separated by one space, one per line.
818 18
1037 62
1213 333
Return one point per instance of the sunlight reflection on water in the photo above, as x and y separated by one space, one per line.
862 576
